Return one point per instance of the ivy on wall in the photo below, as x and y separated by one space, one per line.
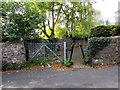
97 44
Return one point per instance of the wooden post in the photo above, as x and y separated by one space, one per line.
72 50
82 50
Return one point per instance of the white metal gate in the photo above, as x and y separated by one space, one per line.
47 51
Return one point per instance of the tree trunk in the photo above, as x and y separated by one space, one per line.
72 49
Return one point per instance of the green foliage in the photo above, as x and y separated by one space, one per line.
52 12
56 59
33 19
60 32
77 17
87 59
20 20
105 31
25 65
67 63
53 40
11 37
81 32
38 62
59 55
97 44
9 66
78 26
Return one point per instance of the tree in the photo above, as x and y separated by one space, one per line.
76 17
20 20
60 32
29 18
53 14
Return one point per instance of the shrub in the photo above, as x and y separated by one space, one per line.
11 38
52 40
114 30
25 65
86 60
67 63
38 62
96 44
18 38
105 31
9 66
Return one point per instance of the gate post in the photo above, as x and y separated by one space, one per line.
65 55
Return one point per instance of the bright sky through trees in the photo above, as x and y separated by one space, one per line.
107 8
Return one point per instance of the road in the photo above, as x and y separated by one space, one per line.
75 78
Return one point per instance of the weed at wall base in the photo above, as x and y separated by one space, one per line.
67 63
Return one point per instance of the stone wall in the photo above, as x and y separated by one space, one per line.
110 54
13 52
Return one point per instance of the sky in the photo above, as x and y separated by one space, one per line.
107 9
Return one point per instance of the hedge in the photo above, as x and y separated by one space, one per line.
105 31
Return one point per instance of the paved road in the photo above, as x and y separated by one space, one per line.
76 78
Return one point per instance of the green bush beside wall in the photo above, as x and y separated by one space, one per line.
97 44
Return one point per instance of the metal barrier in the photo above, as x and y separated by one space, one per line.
46 51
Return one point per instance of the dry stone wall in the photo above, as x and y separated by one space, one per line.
110 54
13 52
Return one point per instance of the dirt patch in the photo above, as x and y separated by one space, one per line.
102 67
57 67
60 67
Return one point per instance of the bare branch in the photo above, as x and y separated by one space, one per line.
44 30
49 24
64 11
53 15
59 13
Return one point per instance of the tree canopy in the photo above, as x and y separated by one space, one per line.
74 19
20 20
47 19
